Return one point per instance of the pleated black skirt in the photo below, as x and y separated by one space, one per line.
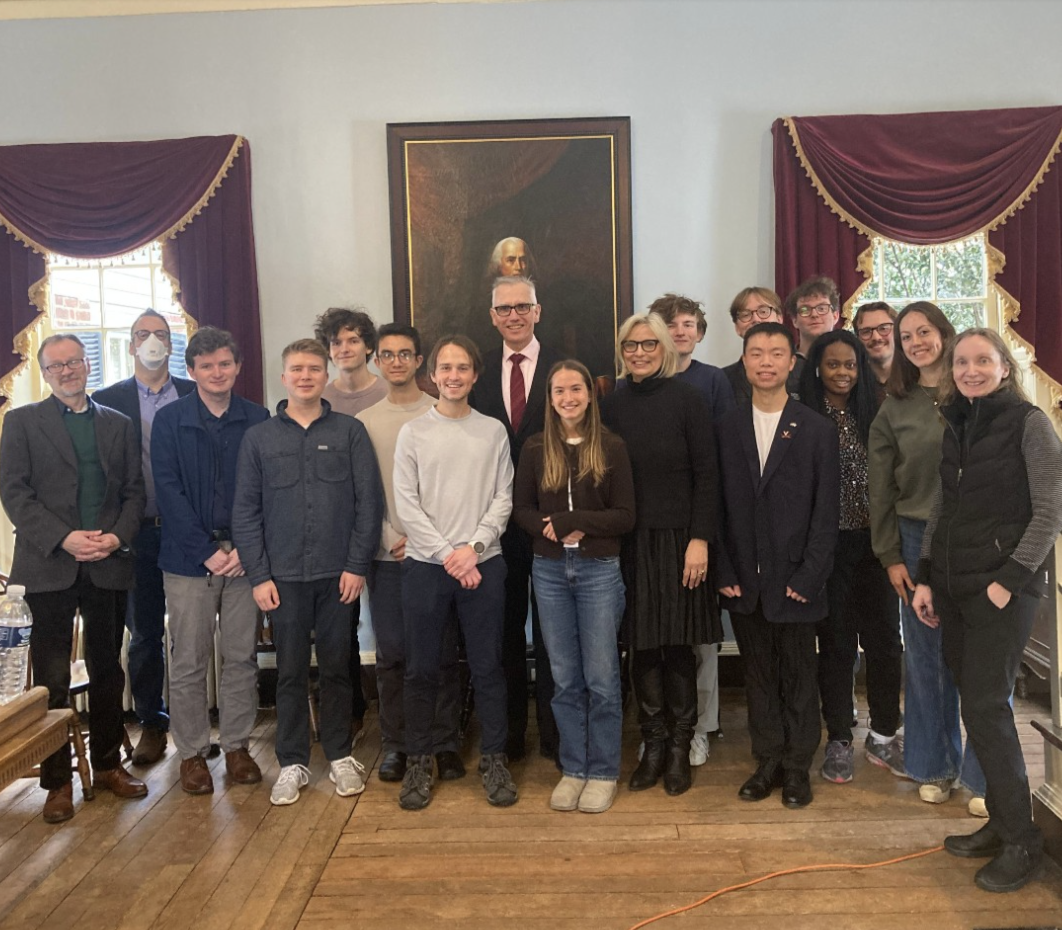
660 611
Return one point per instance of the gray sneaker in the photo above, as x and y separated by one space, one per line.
838 765
888 755
498 783
348 775
292 778
416 786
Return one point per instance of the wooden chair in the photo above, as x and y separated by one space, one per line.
79 684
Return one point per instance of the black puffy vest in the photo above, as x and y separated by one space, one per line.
986 506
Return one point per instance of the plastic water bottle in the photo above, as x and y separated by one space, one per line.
16 624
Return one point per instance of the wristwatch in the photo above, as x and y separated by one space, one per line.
478 548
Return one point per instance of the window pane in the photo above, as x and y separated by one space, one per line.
126 295
906 273
964 315
75 298
961 269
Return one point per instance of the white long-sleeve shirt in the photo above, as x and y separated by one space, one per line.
453 484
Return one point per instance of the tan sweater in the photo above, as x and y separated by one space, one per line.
382 421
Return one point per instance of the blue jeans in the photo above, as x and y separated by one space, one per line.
932 746
580 602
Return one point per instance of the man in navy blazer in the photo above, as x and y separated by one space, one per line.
70 482
780 471
149 390
519 369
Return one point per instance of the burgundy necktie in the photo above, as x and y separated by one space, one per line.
517 393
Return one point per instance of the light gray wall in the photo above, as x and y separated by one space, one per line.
701 81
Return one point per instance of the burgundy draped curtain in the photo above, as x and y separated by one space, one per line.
95 200
927 178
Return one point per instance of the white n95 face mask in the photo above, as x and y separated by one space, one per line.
152 352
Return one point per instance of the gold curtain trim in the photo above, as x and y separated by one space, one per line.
1026 195
794 137
1010 310
201 203
189 321
1023 198
177 227
38 296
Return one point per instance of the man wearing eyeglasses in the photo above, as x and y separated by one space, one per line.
750 306
512 389
71 484
398 358
814 308
874 324
140 397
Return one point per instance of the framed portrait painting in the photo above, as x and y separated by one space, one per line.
550 199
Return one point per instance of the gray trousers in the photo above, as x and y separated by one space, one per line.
707 688
196 606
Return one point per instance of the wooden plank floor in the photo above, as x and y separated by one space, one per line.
232 860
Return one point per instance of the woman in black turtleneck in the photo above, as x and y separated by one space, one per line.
671 607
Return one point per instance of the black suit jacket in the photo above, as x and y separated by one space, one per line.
487 397
38 487
122 396
778 530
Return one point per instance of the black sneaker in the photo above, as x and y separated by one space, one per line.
1010 870
416 786
498 783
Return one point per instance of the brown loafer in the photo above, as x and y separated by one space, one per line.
59 805
120 782
242 768
195 776
150 746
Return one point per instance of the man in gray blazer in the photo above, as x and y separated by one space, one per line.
70 482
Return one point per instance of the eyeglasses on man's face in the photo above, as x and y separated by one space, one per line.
816 310
506 309
74 364
403 355
866 333
161 334
630 346
760 313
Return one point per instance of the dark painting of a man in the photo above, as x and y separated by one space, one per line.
548 200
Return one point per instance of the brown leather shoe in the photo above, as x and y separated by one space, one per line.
150 746
120 782
242 768
59 805
195 776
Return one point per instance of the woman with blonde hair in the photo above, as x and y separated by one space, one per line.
670 607
997 511
574 495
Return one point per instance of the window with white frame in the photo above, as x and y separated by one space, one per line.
98 300
954 276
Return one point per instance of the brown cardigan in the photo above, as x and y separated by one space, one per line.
603 512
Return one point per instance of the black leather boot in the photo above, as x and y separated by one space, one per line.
647 673
680 690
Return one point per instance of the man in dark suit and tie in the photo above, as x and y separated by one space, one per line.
149 390
512 389
70 482
780 471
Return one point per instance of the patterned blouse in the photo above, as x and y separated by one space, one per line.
855 498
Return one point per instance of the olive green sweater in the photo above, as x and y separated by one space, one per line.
903 459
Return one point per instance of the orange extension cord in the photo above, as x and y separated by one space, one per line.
804 868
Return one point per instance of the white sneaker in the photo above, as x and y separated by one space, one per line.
348 775
699 749
977 808
935 792
286 788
